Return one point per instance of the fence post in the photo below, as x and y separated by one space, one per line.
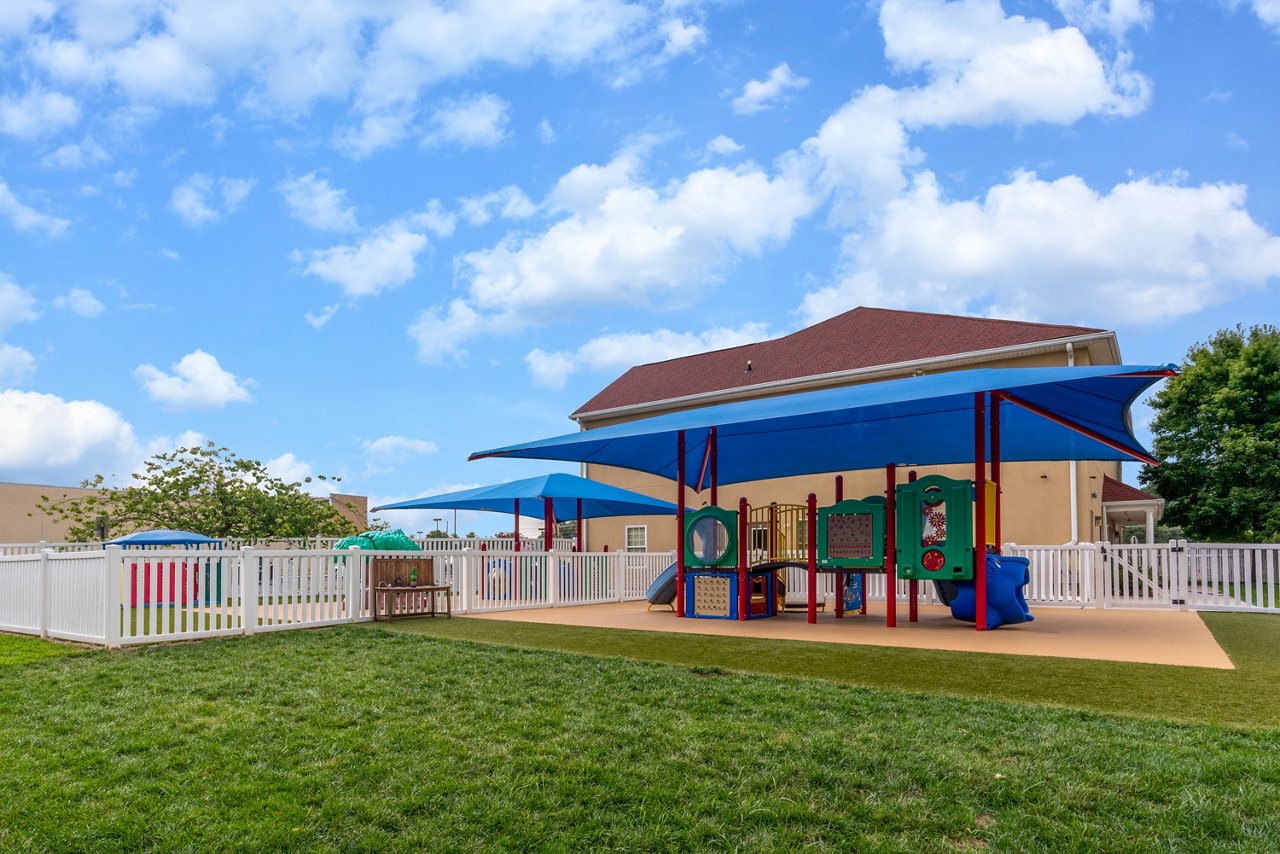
42 594
1102 595
114 566
462 577
354 565
553 579
248 596
1180 593
619 573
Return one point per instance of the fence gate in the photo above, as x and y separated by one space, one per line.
1138 576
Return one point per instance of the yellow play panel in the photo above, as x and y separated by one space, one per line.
1145 637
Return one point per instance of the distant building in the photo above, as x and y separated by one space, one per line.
1044 502
22 522
353 508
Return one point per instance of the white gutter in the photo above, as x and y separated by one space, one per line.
843 377
1075 486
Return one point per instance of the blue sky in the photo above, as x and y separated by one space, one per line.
367 238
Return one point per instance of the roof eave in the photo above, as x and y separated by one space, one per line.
815 381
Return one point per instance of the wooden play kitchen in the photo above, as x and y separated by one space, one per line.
405 586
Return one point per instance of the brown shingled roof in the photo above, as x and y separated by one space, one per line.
1114 490
860 338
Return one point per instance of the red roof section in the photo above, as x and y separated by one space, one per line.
860 338
1113 490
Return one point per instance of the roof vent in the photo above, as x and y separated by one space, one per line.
748 366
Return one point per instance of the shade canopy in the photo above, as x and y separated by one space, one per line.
563 490
163 537
925 420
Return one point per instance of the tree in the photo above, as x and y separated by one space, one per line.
206 489
1217 433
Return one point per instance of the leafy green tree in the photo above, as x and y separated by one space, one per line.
1217 433
206 489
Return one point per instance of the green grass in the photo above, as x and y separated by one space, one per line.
1248 696
359 739
19 650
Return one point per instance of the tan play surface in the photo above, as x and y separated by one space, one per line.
1148 637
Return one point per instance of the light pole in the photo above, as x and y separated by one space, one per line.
438 518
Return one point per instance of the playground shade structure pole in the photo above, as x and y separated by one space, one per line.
516 514
579 528
715 468
913 586
811 538
548 524
840 576
995 468
744 594
680 523
890 547
980 509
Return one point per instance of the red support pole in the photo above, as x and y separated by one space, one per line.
811 529
841 577
548 524
995 469
744 592
517 534
890 546
680 523
579 529
980 510
913 586
715 468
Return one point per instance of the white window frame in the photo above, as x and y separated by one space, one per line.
626 538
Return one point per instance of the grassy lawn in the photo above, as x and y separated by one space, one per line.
1248 696
360 739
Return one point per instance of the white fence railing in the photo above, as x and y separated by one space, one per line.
117 596
427 544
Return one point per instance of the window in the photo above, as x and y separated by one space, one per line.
637 538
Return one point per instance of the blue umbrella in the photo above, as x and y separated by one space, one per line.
163 537
566 495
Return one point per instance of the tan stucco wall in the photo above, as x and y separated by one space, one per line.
1035 497
21 522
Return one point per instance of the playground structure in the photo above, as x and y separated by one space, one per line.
931 519
995 414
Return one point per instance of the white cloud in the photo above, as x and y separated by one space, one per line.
200 200
16 365
17 15
723 145
76 155
1056 250
291 469
1268 11
124 178
546 133
80 302
1115 17
17 305
619 242
398 448
982 68
374 133
620 351
37 112
318 320
681 37
317 203
43 432
508 203
759 95
383 260
197 382
26 219
441 331
479 121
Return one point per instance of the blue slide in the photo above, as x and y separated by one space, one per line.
663 589
1006 602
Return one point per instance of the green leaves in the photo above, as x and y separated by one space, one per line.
1217 429
203 488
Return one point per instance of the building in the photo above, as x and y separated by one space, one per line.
1044 503
353 508
1124 505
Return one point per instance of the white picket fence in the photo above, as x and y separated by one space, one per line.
116 597
427 544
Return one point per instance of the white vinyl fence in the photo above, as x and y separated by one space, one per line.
117 596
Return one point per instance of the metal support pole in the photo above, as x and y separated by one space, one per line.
890 547
548 523
841 578
980 510
811 539
744 591
517 533
995 471
579 528
680 523
715 468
